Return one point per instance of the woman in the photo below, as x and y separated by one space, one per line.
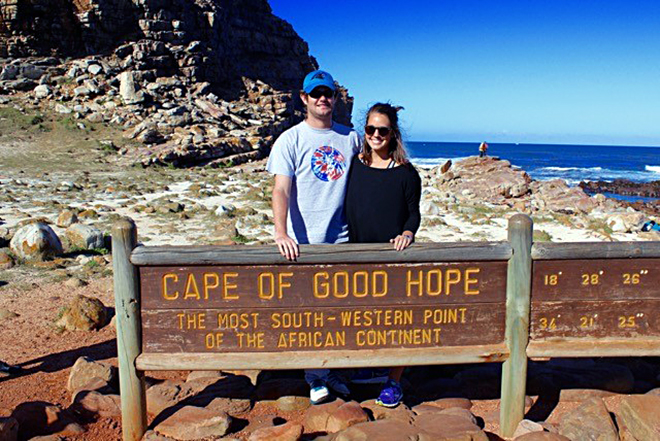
382 205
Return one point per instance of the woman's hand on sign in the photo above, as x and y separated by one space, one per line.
402 241
287 246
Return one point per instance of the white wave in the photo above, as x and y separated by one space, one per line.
652 168
571 168
428 163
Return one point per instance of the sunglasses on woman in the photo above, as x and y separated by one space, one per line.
321 91
382 131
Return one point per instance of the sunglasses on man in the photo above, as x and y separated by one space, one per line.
382 131
321 91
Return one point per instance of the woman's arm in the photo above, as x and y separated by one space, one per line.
413 194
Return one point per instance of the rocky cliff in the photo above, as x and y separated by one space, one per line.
191 80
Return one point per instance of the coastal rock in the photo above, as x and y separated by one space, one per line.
628 222
493 180
641 415
85 370
556 195
444 426
6 259
191 423
84 314
591 420
38 418
66 218
346 415
186 65
623 187
35 242
92 403
285 432
382 430
85 237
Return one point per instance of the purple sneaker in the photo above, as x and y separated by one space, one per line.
391 395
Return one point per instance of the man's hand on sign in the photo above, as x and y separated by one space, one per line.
287 246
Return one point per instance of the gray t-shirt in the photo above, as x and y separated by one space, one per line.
317 161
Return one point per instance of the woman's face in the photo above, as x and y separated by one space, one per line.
377 139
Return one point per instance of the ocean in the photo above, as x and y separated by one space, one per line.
572 163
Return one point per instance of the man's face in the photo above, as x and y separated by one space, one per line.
320 102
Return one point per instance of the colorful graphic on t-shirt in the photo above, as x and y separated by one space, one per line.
328 163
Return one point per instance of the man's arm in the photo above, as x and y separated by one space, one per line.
281 194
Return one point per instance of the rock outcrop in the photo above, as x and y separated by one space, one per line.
191 81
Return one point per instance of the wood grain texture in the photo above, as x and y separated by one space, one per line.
602 279
595 319
129 342
519 283
316 329
321 254
608 347
321 285
322 359
595 250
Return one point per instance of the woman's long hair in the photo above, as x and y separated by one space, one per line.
396 148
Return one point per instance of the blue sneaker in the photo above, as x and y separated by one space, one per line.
318 392
371 376
391 395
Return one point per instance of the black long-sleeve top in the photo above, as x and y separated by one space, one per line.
381 203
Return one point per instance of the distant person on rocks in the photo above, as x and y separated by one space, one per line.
483 148
310 162
382 205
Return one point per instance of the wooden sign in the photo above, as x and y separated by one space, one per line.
274 308
586 299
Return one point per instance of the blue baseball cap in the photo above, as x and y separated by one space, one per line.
318 78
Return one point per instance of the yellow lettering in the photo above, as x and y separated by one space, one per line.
449 280
365 283
227 286
340 275
382 275
325 285
208 286
470 281
166 295
191 288
282 283
438 282
263 279
410 282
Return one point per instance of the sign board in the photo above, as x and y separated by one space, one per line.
275 308
587 299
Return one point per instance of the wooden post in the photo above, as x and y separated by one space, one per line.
129 334
518 291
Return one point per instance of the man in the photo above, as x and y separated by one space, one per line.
310 162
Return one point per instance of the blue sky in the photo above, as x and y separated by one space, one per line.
550 71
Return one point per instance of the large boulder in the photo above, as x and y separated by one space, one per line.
556 195
488 179
35 242
84 314
85 237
